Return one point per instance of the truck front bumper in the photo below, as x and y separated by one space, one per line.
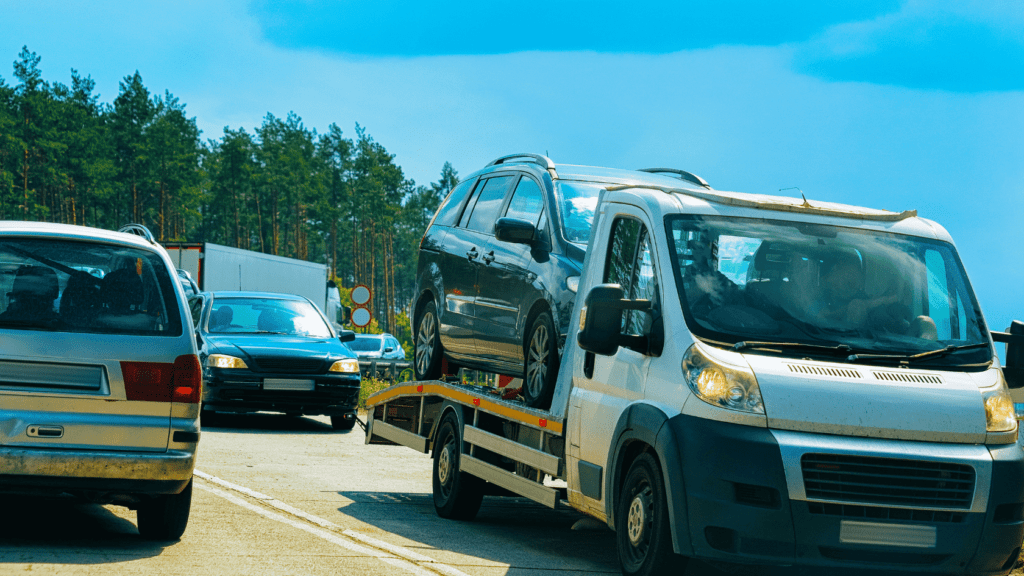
832 504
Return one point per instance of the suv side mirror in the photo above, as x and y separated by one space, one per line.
1013 370
601 321
346 336
515 231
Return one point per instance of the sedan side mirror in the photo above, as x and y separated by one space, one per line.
346 336
515 231
1013 369
389 350
601 321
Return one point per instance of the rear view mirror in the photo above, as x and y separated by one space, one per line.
346 336
389 350
514 230
344 312
601 321
1013 365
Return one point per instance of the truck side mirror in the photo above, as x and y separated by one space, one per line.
601 321
346 336
344 313
1013 368
515 231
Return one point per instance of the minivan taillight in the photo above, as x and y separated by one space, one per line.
181 381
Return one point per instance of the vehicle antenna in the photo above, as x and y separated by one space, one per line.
806 203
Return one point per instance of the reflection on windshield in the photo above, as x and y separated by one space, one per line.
266 316
577 202
747 279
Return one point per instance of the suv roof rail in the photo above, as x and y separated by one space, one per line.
138 230
543 161
681 174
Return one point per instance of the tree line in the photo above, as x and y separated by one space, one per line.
282 189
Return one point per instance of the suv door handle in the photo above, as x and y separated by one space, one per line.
489 257
472 254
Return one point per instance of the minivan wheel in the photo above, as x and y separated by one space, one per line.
165 517
427 361
541 351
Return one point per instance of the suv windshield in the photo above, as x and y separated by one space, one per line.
77 286
844 290
577 202
266 316
366 344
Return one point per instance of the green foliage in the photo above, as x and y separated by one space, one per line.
281 189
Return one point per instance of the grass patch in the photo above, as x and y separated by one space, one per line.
370 386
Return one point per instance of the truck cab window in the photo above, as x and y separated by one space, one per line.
631 265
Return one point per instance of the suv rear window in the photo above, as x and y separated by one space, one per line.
91 287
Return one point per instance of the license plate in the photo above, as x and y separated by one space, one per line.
288 384
916 536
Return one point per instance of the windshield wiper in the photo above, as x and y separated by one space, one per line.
837 349
915 357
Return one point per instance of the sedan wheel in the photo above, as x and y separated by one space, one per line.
427 361
541 362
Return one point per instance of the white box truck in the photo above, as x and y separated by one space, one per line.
215 267
756 426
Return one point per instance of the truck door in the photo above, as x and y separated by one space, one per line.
617 380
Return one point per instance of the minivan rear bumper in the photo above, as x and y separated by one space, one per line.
52 471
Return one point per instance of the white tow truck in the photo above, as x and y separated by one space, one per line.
755 380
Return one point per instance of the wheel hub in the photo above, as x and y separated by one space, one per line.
444 465
425 343
636 520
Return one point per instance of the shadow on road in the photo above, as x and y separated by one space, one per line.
49 531
262 422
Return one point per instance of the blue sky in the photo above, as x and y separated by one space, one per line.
883 103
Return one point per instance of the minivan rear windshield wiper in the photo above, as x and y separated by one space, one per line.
914 357
837 349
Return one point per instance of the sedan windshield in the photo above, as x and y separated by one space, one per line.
825 290
266 316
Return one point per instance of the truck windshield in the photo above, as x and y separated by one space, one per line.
266 316
844 290
577 201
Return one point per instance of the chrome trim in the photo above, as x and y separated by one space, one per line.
480 302
793 445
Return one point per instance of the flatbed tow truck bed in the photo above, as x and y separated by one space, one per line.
408 414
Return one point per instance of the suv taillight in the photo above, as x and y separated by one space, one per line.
181 381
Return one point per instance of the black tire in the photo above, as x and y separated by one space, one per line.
164 518
540 351
457 495
642 533
428 351
339 422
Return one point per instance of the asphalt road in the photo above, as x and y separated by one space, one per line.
279 495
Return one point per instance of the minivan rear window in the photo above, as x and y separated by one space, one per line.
451 207
89 287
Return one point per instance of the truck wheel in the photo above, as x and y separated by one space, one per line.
457 495
339 422
164 518
427 361
642 532
541 351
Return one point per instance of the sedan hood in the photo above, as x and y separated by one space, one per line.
870 401
278 346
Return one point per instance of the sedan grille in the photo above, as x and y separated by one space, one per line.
290 365
888 481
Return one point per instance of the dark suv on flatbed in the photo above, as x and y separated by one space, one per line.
500 262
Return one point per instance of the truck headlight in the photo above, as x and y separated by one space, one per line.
348 366
225 361
729 387
1000 415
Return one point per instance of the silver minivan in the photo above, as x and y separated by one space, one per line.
100 382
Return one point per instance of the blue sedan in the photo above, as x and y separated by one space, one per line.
263 351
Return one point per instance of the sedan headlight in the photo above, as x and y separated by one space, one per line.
225 361
729 387
348 366
573 283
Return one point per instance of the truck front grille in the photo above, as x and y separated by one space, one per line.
887 481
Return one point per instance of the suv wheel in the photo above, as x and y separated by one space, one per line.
541 351
427 361
164 518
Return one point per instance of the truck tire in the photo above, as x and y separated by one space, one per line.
642 533
457 495
541 354
339 422
428 352
165 517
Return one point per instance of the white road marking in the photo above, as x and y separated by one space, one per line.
405 555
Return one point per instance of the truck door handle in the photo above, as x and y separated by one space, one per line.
472 254
489 257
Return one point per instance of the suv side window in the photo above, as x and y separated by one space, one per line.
631 265
527 201
451 207
488 204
